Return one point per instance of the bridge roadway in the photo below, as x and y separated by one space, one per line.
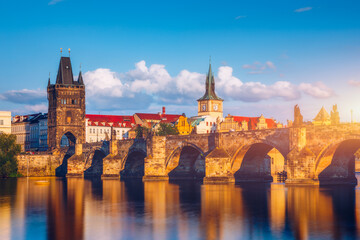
313 155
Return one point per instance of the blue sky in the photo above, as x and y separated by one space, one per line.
138 56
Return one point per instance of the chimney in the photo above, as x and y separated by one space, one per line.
163 110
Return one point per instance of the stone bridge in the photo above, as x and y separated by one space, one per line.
313 155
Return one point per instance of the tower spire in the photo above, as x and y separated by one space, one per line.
65 74
210 86
49 80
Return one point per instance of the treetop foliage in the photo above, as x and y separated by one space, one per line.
8 151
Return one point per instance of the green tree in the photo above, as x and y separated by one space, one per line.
8 151
167 129
142 132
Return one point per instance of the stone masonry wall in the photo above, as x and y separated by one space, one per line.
38 165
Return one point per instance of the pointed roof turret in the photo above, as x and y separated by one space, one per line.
80 79
49 80
322 115
210 87
65 74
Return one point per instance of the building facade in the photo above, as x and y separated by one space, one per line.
5 122
21 128
98 127
184 125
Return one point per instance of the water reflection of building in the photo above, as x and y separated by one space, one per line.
222 212
65 218
161 202
310 210
277 208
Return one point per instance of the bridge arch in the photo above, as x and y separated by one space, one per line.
186 162
67 139
335 164
94 162
132 165
258 161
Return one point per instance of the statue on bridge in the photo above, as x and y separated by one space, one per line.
298 118
334 115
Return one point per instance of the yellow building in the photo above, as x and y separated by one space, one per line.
183 126
210 104
322 118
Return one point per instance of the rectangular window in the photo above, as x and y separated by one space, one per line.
1 122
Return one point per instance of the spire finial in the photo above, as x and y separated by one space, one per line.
80 67
69 51
210 59
60 52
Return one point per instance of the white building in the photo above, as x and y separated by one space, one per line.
204 124
98 127
5 122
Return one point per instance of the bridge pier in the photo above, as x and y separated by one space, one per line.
155 169
111 167
301 165
155 162
112 162
218 167
76 163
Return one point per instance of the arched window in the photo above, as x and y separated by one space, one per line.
68 117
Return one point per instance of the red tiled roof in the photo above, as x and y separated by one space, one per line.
254 120
149 116
107 120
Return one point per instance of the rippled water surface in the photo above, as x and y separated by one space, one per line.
113 209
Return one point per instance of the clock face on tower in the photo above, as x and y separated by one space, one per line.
215 107
203 107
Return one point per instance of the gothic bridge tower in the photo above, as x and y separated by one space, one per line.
66 115
210 103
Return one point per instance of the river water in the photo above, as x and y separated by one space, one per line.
56 208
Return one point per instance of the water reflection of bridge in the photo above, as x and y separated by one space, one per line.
107 209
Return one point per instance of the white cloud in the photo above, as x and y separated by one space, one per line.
303 9
156 84
24 96
144 85
29 109
259 68
354 83
102 81
316 90
239 17
53 2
